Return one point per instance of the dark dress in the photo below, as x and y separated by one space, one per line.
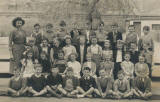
17 41
54 80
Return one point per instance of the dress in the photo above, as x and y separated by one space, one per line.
17 41
29 69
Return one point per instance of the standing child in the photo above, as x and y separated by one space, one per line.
96 51
44 61
87 84
16 85
75 65
28 65
104 84
37 34
90 64
61 63
122 87
70 86
34 47
37 82
54 80
142 82
69 48
107 48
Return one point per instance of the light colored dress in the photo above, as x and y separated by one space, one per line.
29 69
128 68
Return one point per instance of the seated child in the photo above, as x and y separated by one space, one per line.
44 61
70 85
122 87
142 82
61 63
107 65
87 84
54 80
37 83
76 66
128 67
104 84
16 85
68 48
90 64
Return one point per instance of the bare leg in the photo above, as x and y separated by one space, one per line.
12 91
52 91
63 91
31 90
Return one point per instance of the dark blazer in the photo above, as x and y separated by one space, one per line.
110 38
84 54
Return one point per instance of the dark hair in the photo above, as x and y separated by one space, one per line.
121 72
87 68
37 24
49 25
62 23
147 28
17 19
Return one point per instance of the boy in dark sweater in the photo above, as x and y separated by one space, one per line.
87 84
37 83
54 80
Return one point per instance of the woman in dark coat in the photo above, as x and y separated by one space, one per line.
17 41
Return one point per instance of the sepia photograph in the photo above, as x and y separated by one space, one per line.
79 50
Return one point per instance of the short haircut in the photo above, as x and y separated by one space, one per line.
121 72
37 24
75 54
147 28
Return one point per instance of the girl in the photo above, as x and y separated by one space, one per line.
107 48
74 64
69 48
61 63
107 65
96 51
90 64
28 65
44 61
55 50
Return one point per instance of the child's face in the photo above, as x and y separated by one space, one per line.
120 76
54 71
60 55
49 28
82 40
29 55
127 57
86 73
119 46
38 70
106 44
37 28
145 32
56 43
44 42
43 56
69 73
114 28
107 57
133 46
94 41
73 57
32 43
89 57
131 29
102 73
68 41
141 59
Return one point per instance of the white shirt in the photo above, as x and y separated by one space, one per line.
76 66
119 56
95 49
68 50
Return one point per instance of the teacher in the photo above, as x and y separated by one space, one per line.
17 41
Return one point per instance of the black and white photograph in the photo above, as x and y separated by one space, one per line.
79 50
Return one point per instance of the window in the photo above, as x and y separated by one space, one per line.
155 26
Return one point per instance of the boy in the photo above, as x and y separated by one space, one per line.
131 37
104 84
16 85
70 85
54 80
122 87
37 83
142 83
87 84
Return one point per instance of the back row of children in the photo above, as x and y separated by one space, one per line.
83 64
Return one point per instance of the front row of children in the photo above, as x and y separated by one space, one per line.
68 85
